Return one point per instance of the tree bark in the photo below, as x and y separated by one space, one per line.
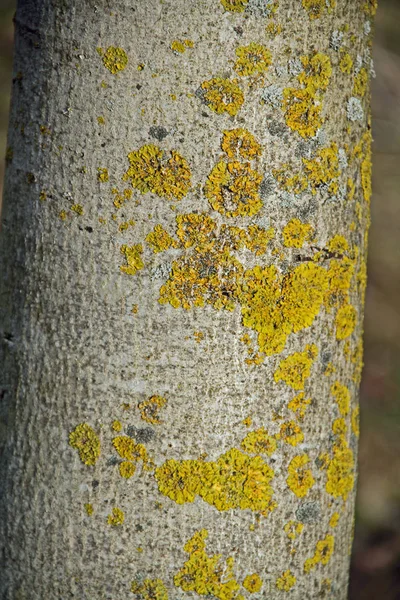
183 272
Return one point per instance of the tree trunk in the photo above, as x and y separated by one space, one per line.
183 273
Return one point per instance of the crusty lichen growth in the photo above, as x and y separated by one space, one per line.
345 321
291 433
223 95
159 239
117 517
84 439
252 59
166 174
341 394
286 581
133 255
206 574
234 5
295 233
340 470
252 583
316 8
240 143
132 453
303 106
259 442
232 189
296 368
300 478
102 174
324 169
150 589
323 552
150 408
234 480
114 59
293 529
299 405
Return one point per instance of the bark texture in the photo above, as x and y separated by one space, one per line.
183 256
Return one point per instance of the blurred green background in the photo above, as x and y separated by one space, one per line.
375 572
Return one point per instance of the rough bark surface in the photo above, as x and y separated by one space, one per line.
183 270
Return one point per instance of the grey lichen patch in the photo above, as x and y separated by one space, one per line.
308 512
158 132
273 95
143 435
295 67
354 109
260 8
336 40
276 128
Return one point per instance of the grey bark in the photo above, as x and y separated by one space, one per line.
72 350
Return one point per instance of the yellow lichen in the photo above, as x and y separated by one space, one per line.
288 181
234 5
323 552
159 239
361 82
78 209
286 581
102 174
273 29
299 405
150 408
291 433
223 95
259 442
316 8
207 575
252 583
84 439
296 368
338 244
302 111
324 169
115 59
342 397
257 239
303 106
133 255
232 189
238 143
334 520
127 469
117 517
339 426
340 471
150 589
116 425
355 418
89 509
295 233
125 446
178 46
152 169
370 7
317 72
101 120
300 479
293 529
345 321
346 63
234 480
252 59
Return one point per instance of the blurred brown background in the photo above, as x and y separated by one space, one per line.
375 571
